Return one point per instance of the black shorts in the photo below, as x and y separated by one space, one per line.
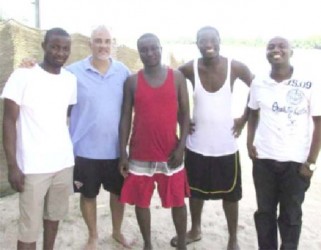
212 178
90 174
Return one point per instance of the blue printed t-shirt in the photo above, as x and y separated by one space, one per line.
95 118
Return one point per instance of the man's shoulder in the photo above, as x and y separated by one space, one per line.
176 72
66 73
237 65
77 64
132 77
20 72
261 80
188 65
187 69
25 73
118 65
305 74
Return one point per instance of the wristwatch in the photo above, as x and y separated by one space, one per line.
310 165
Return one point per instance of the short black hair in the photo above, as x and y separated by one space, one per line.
207 28
55 31
147 35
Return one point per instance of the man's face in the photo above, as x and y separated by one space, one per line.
57 50
278 51
100 44
208 43
150 51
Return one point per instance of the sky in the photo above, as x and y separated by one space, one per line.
172 19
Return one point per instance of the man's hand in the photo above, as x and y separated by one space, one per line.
251 149
239 124
176 158
305 172
123 167
27 62
16 179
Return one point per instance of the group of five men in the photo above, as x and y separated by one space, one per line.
202 162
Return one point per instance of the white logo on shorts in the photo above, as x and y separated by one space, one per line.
78 184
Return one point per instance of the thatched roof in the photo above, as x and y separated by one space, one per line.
19 41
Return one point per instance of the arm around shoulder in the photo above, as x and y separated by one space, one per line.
241 71
188 71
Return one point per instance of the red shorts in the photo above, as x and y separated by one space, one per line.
138 189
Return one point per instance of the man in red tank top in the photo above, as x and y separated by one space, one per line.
157 95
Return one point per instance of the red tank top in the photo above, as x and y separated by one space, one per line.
155 120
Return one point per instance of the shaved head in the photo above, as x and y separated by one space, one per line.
280 39
207 29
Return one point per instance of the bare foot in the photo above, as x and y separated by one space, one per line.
91 244
233 244
181 248
120 238
190 238
148 247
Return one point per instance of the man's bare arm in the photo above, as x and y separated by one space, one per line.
176 158
188 71
125 123
314 149
251 128
242 72
10 117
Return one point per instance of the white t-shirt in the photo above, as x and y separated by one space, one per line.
284 130
43 140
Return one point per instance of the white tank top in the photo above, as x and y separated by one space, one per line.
212 115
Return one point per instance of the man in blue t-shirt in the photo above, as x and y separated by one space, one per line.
94 124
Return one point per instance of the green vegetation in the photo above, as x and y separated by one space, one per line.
303 43
313 42
2 18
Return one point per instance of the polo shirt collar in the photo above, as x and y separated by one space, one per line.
88 65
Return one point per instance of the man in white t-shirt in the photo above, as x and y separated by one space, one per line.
284 138
36 140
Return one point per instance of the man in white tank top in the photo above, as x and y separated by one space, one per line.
211 158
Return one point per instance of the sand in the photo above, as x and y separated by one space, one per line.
73 233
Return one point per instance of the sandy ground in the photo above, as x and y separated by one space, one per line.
73 234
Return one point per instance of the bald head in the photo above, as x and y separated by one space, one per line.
98 30
208 29
146 36
280 39
279 51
